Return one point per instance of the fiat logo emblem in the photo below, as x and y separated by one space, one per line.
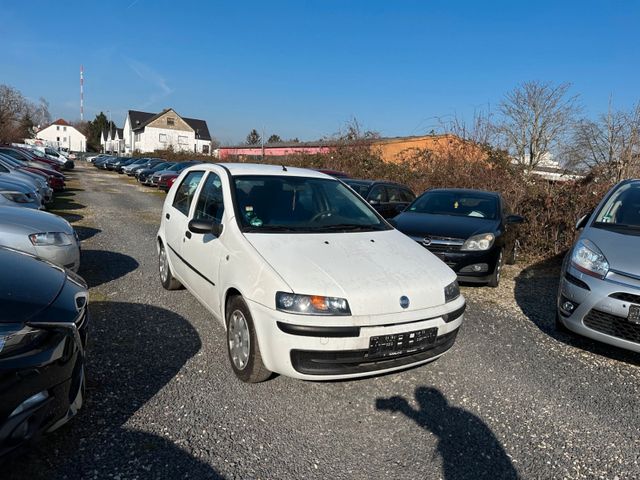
404 302
426 241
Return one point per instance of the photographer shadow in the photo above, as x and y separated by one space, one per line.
467 446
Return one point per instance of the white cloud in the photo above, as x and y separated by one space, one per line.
149 75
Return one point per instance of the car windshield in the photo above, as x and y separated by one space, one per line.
622 210
300 204
161 166
460 204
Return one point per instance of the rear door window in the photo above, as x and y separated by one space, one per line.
378 193
186 191
407 196
394 194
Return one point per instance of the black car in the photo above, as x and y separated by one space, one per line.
388 198
472 231
123 163
113 162
133 172
43 335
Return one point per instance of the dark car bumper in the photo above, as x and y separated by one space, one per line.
41 389
471 267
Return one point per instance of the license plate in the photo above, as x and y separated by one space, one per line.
401 343
634 314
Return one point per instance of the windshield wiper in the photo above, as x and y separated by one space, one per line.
269 229
346 227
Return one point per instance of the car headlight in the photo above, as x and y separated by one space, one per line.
17 197
451 292
14 337
311 304
484 241
588 258
46 239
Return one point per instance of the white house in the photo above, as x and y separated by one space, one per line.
62 134
147 132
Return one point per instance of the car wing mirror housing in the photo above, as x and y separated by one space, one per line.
203 226
515 219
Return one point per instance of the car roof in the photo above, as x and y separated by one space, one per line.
261 169
372 182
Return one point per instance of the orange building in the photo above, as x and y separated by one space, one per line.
447 145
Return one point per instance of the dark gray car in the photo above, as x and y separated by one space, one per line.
599 294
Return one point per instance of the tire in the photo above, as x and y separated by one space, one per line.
494 280
167 279
242 344
513 256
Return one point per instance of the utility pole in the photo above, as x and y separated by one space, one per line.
262 142
81 93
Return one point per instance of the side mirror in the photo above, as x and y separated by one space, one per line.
582 221
514 219
205 226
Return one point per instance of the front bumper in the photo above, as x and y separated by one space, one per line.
602 307
311 356
462 262
53 370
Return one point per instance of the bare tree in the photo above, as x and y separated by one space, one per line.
354 131
611 143
536 119
480 129
12 109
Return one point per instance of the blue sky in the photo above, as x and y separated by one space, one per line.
304 68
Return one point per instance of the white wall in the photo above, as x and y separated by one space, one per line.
65 137
150 140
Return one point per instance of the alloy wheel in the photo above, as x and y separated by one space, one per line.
239 340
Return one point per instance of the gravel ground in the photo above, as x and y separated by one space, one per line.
511 399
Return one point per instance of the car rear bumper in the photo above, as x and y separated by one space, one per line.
601 307
42 389
346 351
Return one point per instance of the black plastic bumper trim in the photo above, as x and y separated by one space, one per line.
312 331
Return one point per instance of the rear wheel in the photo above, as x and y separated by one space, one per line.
494 280
166 277
242 343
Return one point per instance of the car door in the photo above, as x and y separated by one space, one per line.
378 199
176 218
203 252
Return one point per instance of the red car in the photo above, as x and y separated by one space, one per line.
55 179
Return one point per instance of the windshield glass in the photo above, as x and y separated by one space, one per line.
622 210
300 204
460 204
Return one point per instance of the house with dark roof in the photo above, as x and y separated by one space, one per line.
61 134
147 132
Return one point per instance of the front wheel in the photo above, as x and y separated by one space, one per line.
494 280
242 343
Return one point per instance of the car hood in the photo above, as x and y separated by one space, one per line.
619 248
13 184
372 270
27 286
33 221
163 172
422 224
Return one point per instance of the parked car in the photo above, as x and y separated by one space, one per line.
93 158
152 162
138 163
43 327
42 234
53 178
388 198
51 153
101 162
164 178
119 165
16 194
599 293
27 156
38 181
307 278
332 173
144 175
472 231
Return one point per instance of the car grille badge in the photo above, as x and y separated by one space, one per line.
404 301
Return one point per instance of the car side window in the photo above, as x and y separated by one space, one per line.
395 194
210 205
378 193
186 191
407 196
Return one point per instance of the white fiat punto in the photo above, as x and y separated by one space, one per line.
307 279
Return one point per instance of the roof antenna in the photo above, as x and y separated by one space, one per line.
284 169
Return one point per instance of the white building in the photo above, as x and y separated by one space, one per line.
61 134
147 132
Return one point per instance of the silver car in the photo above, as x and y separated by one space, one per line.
599 294
45 191
40 233
17 194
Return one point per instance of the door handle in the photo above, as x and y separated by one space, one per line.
187 234
167 216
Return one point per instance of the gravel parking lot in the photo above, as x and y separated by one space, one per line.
513 398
